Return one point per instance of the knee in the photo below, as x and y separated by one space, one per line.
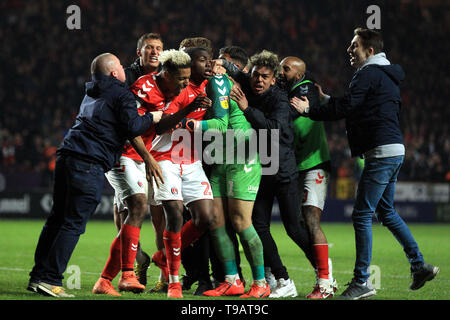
174 215
311 219
137 206
205 218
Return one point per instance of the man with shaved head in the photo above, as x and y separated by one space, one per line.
107 118
313 164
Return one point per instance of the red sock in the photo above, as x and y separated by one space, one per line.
112 266
172 243
321 259
129 236
189 234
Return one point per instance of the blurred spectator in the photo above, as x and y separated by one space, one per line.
43 63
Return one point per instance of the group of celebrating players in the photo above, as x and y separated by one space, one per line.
196 207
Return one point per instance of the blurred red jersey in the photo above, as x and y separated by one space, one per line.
163 146
149 99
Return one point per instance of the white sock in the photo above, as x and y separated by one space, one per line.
231 278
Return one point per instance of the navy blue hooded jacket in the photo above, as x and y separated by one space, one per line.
371 108
107 118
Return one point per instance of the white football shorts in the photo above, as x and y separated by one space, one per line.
313 188
185 182
127 179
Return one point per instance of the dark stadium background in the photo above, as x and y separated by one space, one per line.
44 66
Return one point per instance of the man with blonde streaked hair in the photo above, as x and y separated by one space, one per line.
153 92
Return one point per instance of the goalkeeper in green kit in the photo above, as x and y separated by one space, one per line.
234 181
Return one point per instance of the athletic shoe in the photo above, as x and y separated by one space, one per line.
104 286
356 291
323 289
53 291
187 281
129 282
257 291
159 259
426 273
141 269
226 289
203 285
334 285
160 287
270 279
284 289
175 291
32 286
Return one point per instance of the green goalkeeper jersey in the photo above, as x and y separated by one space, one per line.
238 176
225 115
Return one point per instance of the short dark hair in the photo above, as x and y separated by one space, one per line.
193 50
267 59
146 36
370 38
236 53
195 42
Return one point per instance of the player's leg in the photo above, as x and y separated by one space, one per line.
172 243
240 214
130 185
198 198
170 195
243 182
224 250
227 275
159 224
313 189
129 237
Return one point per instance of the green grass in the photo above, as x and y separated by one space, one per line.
18 240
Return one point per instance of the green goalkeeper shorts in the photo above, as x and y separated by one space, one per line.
237 181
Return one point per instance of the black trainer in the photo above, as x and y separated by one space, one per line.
426 273
140 269
203 285
356 291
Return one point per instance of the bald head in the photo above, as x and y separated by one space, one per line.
292 69
109 65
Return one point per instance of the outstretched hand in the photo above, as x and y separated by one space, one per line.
238 95
300 104
153 171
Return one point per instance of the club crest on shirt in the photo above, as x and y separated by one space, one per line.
224 102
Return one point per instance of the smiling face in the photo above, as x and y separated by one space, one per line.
358 54
292 69
149 54
262 78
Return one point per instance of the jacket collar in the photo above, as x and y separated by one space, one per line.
379 59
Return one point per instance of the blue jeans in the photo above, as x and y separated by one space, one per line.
78 186
375 193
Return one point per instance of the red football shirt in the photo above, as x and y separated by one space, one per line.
163 146
150 99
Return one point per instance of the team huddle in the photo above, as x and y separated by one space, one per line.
209 147
199 95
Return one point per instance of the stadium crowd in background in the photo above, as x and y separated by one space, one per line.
44 65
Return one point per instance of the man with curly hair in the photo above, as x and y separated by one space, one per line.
266 106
